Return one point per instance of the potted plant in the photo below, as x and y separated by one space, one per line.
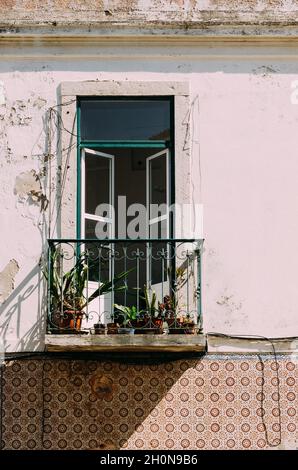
170 309
150 316
188 325
99 328
125 315
67 291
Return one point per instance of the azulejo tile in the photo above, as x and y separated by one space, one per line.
235 402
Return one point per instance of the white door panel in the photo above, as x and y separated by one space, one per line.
97 188
157 196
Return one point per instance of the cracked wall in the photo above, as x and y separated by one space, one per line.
243 167
243 139
101 16
28 189
146 10
23 210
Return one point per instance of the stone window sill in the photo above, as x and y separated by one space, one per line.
126 343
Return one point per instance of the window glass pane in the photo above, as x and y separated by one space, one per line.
158 263
97 184
125 119
158 185
99 259
96 229
159 229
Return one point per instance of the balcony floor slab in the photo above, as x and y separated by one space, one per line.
126 343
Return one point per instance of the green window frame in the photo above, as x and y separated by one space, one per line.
103 144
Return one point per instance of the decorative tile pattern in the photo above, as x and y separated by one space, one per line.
22 405
217 402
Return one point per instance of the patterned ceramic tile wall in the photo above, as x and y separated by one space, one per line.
232 402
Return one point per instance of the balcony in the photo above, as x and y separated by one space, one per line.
133 295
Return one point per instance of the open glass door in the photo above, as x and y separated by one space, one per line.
97 222
158 226
97 194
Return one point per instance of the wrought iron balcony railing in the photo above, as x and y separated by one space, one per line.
124 286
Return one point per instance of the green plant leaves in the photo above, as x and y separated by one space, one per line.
67 290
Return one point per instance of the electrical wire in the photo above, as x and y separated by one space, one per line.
46 355
270 340
1 406
54 119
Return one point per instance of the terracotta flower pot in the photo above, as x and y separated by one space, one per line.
75 319
140 324
190 328
172 322
71 320
99 329
157 322
112 328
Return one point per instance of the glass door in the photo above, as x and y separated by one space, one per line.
97 222
158 225
97 189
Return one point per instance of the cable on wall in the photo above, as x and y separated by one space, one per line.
271 341
54 120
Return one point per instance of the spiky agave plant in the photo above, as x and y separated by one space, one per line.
67 290
150 301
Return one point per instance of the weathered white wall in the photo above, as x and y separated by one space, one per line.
244 172
153 17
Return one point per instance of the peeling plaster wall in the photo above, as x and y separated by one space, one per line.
7 279
243 164
98 16
22 207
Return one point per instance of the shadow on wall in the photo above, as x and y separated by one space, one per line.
23 308
16 329
95 405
